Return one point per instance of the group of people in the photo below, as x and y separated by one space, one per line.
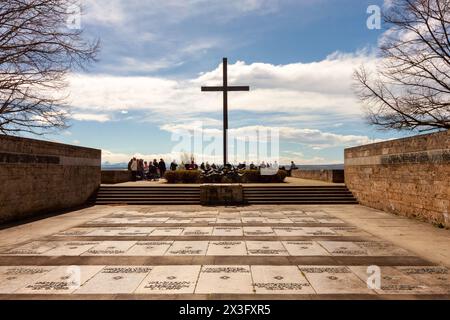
143 170
154 170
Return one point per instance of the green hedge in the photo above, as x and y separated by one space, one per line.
247 176
182 176
254 176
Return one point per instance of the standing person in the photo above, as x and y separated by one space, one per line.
156 165
129 164
134 168
162 167
173 165
292 167
141 169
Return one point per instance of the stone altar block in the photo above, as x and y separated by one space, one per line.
221 194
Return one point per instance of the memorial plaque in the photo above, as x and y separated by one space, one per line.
435 277
224 279
334 280
350 231
227 248
253 220
258 231
228 220
14 278
319 231
136 231
106 232
197 231
159 232
204 220
75 232
303 220
108 221
393 281
317 214
266 248
34 248
149 248
178 220
115 280
110 248
61 280
330 220
343 248
188 248
278 220
296 213
381 248
170 280
227 231
154 219
289 231
280 280
71 248
304 248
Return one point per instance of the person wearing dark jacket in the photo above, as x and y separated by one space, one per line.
162 167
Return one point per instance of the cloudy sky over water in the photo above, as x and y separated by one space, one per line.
298 57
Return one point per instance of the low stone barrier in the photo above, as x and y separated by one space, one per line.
335 176
221 194
409 177
40 176
115 176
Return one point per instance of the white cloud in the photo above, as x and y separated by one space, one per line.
313 138
299 89
91 117
104 11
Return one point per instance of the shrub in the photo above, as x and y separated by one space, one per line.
246 176
254 176
250 176
182 176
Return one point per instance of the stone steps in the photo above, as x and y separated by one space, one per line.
147 195
178 195
299 195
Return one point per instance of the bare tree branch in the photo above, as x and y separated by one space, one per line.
37 50
410 88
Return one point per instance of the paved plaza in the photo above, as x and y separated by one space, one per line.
253 252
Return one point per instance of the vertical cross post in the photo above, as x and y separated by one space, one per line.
225 88
225 111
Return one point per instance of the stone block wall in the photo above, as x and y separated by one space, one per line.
409 177
40 176
336 176
115 176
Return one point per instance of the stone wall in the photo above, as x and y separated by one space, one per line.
40 177
336 176
409 177
115 176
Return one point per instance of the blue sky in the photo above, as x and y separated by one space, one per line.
297 56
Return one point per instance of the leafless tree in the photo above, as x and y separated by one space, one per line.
37 50
410 88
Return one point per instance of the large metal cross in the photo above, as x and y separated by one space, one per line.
225 88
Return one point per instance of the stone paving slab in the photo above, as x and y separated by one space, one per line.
218 279
189 252
152 248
